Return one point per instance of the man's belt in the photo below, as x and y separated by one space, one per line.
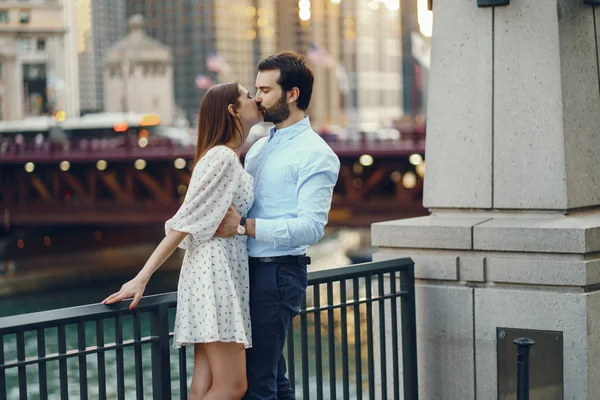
300 260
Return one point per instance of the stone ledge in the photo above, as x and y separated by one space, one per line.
433 231
533 269
578 234
543 233
543 272
428 267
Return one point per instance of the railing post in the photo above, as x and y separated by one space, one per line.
409 333
161 364
523 346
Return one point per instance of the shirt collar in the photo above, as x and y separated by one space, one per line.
289 132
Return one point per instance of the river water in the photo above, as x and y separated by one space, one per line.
330 252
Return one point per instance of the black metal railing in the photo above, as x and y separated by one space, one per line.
356 334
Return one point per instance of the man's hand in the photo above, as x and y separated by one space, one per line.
231 221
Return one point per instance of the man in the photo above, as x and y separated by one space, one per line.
294 173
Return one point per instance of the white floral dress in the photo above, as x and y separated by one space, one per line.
213 288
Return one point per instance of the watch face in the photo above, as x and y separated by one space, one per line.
241 230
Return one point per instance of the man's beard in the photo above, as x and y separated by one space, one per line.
279 112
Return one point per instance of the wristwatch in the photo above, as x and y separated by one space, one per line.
241 229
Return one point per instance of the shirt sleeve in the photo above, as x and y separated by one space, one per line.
212 186
316 180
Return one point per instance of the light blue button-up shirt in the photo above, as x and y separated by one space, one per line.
294 174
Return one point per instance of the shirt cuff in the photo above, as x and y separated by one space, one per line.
264 229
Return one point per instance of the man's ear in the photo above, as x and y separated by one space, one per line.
232 110
293 94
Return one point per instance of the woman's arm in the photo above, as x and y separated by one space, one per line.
135 287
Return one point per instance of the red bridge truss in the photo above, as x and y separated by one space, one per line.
128 185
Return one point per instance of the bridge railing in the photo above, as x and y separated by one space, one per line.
355 338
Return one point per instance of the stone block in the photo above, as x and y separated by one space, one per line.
459 129
429 267
528 134
539 310
433 231
472 269
593 336
555 234
445 342
597 29
543 271
581 102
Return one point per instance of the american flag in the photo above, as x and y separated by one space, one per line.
204 82
216 63
319 57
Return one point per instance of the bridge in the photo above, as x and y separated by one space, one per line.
130 180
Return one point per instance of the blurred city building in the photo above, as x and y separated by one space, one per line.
212 41
38 60
355 49
138 75
100 24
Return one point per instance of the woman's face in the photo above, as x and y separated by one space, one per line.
248 111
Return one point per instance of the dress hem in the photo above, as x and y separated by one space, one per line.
181 343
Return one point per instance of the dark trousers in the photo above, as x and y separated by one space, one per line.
276 291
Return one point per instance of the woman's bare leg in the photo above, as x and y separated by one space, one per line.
228 367
202 377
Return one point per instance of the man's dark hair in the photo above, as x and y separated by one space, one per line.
293 73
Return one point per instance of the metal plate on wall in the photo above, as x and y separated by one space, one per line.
491 3
545 364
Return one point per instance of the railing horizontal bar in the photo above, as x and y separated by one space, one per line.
75 353
91 312
352 302
358 270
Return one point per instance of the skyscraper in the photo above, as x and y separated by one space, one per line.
100 24
354 49
215 38
372 51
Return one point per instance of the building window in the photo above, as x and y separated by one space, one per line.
25 45
41 44
4 17
24 16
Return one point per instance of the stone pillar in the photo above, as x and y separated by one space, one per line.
513 187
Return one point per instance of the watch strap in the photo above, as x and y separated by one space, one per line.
243 222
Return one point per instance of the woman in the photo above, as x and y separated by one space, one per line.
212 294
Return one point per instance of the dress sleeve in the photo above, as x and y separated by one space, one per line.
212 186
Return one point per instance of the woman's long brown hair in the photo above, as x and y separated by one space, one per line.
216 126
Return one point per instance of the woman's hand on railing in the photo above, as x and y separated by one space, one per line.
134 288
